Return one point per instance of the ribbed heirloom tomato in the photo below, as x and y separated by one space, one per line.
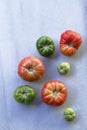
54 93
63 67
24 94
31 68
45 46
70 42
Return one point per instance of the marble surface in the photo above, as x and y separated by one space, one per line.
21 23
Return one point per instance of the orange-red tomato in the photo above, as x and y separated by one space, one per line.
31 68
54 93
70 42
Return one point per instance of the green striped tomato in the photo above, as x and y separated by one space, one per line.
45 46
24 94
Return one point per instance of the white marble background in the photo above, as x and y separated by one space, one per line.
21 23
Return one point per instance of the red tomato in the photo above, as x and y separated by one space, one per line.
54 93
70 42
31 68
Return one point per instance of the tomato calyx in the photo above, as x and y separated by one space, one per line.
31 69
46 47
55 92
24 95
70 44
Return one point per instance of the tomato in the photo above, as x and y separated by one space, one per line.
45 46
24 94
69 114
54 93
63 68
31 68
70 42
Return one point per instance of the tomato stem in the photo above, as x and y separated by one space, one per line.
30 69
24 95
55 92
70 44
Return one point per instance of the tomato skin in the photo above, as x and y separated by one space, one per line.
54 93
45 46
70 41
31 68
24 94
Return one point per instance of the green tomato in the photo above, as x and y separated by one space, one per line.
24 94
45 46
63 67
69 114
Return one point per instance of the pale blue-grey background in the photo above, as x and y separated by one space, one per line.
21 23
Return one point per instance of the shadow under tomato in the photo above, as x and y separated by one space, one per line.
71 98
80 52
57 49
71 72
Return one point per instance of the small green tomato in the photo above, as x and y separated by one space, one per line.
24 94
69 114
63 68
